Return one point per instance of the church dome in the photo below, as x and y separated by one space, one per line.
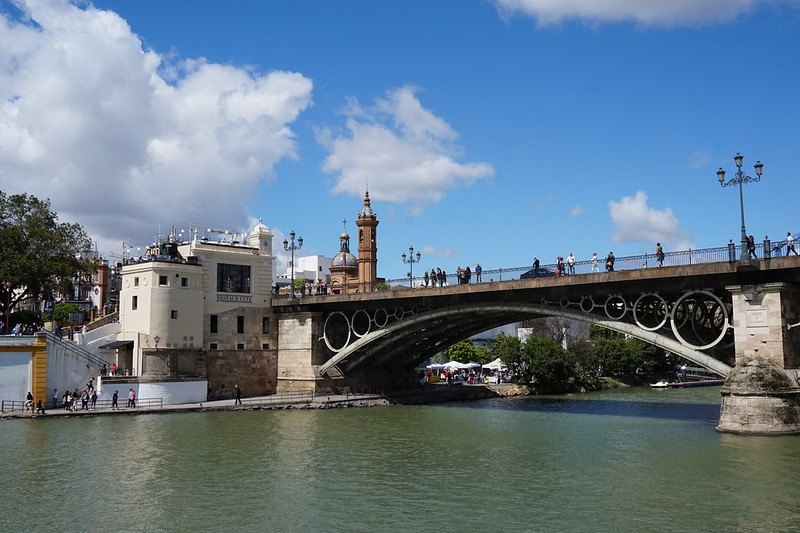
344 259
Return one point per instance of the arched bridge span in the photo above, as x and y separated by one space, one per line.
422 334
687 310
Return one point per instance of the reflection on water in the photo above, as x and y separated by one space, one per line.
624 460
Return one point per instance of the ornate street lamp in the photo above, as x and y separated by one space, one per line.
738 179
7 286
410 260
292 247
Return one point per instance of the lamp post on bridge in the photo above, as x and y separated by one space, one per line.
738 179
410 260
292 247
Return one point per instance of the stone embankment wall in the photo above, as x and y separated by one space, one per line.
255 371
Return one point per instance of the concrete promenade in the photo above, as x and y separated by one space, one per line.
248 404
430 394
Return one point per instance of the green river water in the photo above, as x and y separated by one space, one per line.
624 460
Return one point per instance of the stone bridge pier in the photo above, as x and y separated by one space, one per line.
761 395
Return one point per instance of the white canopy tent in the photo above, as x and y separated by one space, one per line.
455 365
497 364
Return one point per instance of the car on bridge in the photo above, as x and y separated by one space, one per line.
543 272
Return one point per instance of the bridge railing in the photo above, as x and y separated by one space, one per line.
720 254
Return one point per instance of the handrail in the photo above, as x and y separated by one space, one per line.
77 350
720 254
100 405
11 405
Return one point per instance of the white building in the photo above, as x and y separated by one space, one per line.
311 268
183 300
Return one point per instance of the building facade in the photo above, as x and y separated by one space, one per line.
200 310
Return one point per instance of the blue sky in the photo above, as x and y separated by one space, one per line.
488 131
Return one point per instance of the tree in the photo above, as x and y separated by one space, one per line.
507 348
38 254
61 312
629 356
549 363
464 351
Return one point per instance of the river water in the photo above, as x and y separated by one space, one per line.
623 460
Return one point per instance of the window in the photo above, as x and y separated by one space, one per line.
184 282
173 314
265 346
212 326
240 346
233 278
136 281
134 303
265 325
239 324
212 346
162 280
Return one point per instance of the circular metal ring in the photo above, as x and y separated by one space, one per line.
564 302
398 313
353 323
609 305
636 317
725 322
325 331
383 320
590 305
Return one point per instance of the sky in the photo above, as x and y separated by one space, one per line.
486 131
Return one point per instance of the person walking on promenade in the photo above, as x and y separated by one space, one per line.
237 392
131 398
478 271
751 247
610 262
571 264
114 399
29 401
40 408
790 244
536 267
54 396
426 278
594 262
93 397
467 275
659 254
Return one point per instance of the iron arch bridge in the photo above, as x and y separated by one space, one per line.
686 310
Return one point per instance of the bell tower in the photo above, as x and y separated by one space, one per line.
367 223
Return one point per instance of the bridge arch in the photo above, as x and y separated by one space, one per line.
421 335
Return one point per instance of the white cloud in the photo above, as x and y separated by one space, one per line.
432 251
635 221
403 151
700 159
646 12
576 211
121 138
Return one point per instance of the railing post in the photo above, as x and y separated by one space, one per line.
501 274
731 251
767 247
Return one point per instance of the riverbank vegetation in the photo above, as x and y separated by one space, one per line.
598 359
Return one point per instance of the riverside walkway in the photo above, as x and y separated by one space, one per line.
431 393
154 405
